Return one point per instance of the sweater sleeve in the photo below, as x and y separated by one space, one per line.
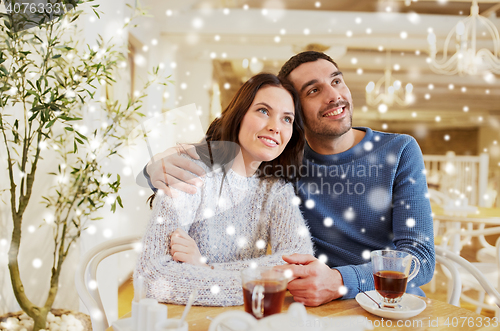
411 222
288 231
169 281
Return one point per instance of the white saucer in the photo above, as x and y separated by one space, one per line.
413 306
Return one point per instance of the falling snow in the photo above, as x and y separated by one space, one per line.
410 222
379 199
349 214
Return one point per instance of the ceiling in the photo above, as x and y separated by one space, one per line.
357 34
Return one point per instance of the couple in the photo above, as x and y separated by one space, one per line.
362 190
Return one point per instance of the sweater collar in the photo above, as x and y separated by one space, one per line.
359 150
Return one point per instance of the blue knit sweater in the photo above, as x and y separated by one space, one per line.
370 197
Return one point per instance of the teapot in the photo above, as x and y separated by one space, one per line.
295 319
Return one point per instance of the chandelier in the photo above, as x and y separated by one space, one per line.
388 90
467 59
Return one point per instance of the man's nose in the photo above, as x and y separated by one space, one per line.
333 94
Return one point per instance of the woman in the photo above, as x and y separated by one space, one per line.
202 241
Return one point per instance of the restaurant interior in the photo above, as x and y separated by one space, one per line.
391 54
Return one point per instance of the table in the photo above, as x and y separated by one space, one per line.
482 217
433 318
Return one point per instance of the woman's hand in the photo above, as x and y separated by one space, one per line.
184 249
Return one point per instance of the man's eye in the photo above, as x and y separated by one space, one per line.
314 90
337 81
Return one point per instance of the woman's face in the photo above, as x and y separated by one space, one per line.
267 125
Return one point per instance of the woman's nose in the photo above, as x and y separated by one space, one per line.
273 126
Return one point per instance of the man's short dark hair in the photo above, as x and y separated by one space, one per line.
304 57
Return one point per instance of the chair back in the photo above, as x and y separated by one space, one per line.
473 270
86 280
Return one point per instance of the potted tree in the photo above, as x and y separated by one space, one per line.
49 82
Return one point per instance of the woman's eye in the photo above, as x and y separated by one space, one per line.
264 111
288 119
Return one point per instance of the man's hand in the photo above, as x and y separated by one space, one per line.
184 249
170 169
313 282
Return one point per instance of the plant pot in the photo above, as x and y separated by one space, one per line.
83 318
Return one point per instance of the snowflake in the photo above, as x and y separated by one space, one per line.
303 231
310 204
159 220
230 230
323 258
343 290
328 222
242 242
366 254
207 213
368 146
92 284
296 201
215 289
349 214
379 199
261 244
410 222
391 158
288 273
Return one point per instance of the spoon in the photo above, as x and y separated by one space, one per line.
188 306
370 297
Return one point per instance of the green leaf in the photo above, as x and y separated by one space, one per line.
56 56
68 128
50 123
119 201
67 118
81 135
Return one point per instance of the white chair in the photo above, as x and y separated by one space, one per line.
455 287
479 276
85 278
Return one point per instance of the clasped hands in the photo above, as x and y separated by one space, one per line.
313 282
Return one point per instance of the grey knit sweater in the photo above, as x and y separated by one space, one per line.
232 232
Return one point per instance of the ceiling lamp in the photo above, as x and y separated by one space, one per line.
388 91
467 59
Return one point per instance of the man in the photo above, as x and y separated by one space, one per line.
361 190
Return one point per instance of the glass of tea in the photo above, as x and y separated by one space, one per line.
391 273
263 291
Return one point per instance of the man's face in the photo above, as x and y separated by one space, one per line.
326 99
